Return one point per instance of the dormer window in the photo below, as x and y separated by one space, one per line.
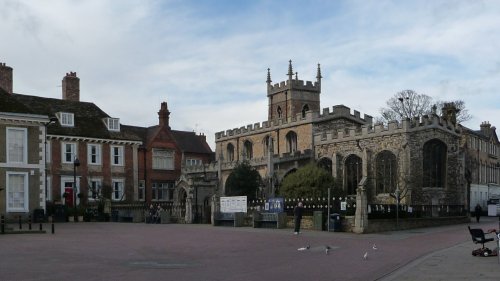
113 124
66 119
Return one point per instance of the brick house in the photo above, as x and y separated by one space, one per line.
163 154
21 158
106 154
137 163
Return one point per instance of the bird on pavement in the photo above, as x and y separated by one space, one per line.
304 248
327 249
374 247
365 256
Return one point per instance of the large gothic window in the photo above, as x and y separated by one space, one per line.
291 141
434 163
305 109
353 173
386 172
230 152
326 163
247 150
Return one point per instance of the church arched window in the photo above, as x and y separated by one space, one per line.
291 141
247 150
434 173
305 109
230 152
353 173
386 172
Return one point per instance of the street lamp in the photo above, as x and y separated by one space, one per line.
52 120
76 163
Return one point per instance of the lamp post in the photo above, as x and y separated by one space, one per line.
76 163
52 120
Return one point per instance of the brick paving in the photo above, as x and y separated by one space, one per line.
127 251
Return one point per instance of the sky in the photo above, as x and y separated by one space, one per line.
208 59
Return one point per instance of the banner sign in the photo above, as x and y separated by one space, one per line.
275 205
233 204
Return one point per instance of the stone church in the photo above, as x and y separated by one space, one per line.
419 159
424 161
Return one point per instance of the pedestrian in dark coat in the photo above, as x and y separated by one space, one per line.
297 215
478 211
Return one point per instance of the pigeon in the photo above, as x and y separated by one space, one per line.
304 248
374 247
365 256
327 249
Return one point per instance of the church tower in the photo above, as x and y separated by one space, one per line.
293 96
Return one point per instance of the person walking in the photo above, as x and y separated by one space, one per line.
478 211
297 215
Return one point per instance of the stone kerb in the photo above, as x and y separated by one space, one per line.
268 126
394 127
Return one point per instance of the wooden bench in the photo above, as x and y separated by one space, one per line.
269 220
229 219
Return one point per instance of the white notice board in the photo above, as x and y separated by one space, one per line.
233 204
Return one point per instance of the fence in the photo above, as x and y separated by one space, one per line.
388 211
310 205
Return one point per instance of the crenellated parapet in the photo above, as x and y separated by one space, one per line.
337 112
342 111
298 85
268 126
393 127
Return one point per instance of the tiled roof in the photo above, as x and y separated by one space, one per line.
190 142
88 118
187 141
8 104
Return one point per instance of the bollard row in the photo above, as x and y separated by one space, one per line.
20 221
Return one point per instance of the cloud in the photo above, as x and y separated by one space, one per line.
209 59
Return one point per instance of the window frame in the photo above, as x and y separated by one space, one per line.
120 156
163 162
24 147
67 119
98 154
113 124
64 153
25 195
120 184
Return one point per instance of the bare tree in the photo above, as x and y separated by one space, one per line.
410 104
406 104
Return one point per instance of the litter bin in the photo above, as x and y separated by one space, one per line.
59 213
335 222
38 215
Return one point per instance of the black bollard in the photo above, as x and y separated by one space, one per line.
2 222
20 223
29 222
53 228
41 227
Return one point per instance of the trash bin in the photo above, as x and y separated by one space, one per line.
335 222
318 220
38 215
59 213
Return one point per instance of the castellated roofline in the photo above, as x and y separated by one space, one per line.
299 85
394 127
338 111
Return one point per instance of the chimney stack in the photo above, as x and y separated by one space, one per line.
71 87
6 78
163 115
